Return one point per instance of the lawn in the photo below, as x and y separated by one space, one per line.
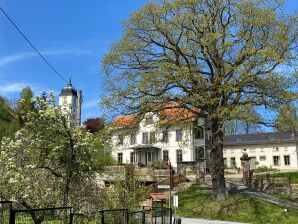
292 175
196 202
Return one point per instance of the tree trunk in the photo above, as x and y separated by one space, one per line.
219 191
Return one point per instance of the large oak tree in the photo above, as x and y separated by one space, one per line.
221 56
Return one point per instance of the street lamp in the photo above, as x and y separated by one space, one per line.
170 189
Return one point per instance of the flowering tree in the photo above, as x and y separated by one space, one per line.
50 163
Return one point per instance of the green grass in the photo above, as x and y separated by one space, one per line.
196 202
292 175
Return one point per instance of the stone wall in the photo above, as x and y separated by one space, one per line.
191 169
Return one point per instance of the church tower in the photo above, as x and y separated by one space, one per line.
70 101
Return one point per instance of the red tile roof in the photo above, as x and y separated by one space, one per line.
171 113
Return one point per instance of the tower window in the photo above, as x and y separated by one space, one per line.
64 100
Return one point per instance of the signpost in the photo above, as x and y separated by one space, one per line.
175 204
163 186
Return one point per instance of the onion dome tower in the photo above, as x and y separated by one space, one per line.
70 101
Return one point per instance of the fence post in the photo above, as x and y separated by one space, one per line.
143 217
71 218
102 217
127 216
12 217
171 214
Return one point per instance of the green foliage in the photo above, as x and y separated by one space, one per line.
8 122
50 163
286 120
26 104
292 175
262 169
158 165
196 202
127 192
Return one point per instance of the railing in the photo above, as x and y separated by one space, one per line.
151 215
114 216
5 208
176 179
273 184
40 215
114 169
64 215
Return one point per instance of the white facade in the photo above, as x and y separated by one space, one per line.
150 142
272 150
129 145
278 156
70 101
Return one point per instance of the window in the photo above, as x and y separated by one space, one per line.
152 137
145 138
179 155
133 157
165 155
64 100
199 153
133 138
120 139
120 158
178 135
287 160
149 120
276 161
165 136
233 162
262 158
199 133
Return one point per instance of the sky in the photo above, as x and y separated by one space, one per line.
74 36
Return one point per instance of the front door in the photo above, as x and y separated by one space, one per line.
148 158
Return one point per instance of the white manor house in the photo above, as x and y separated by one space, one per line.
175 135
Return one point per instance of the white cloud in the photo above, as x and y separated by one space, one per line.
25 55
11 88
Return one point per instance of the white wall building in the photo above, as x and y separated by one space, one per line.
276 150
70 101
173 134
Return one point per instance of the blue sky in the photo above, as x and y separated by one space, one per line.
73 35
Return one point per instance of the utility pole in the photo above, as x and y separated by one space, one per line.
295 131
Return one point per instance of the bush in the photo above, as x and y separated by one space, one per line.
158 165
263 169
